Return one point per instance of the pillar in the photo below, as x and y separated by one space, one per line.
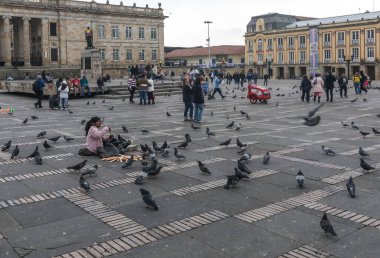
45 42
7 41
26 27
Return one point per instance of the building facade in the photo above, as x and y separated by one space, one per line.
51 33
299 46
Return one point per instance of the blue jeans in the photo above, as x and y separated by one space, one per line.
63 102
358 90
198 113
82 89
189 107
142 94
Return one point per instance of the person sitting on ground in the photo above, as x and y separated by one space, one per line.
94 137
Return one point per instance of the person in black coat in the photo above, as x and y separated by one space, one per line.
187 96
329 86
343 85
198 99
305 88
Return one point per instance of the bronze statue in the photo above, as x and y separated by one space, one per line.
89 37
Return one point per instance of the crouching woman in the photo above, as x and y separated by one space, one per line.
94 138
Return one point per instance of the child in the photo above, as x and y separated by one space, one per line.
63 95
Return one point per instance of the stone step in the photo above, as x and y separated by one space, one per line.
120 96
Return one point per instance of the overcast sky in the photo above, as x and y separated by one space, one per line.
185 24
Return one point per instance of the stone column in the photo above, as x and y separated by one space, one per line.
26 27
7 41
45 42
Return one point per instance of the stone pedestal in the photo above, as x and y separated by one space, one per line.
91 66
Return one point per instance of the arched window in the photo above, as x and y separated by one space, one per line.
260 44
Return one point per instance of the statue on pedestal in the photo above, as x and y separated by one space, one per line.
89 37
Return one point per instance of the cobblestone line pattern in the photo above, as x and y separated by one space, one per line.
44 157
217 183
305 251
316 142
356 151
346 175
344 214
291 203
118 221
310 162
173 166
123 244
221 147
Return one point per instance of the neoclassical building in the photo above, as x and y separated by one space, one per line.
51 33
290 46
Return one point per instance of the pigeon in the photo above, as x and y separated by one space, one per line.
25 121
243 167
350 185
38 159
353 126
34 153
327 150
78 166
46 145
266 158
234 106
111 108
148 199
70 112
6 146
312 121
326 226
364 99
104 100
168 114
203 168
68 138
240 144
238 127
300 178
365 165
344 124
125 130
82 122
242 150
88 103
188 137
212 113
355 99
230 125
15 152
178 155
91 171
195 127
34 117
375 131
129 162
247 116
245 157
234 96
155 172
362 152
93 103
166 152
41 134
165 145
144 148
152 167
155 147
242 113
364 134
139 180
315 110
226 143
123 99
277 104
231 181
240 174
84 184
121 139
183 145
209 133
144 131
55 139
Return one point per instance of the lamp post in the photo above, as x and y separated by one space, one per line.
269 61
208 41
348 65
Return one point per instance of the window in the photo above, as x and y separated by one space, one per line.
250 43
269 57
101 31
260 44
291 57
279 43
128 32
326 39
327 56
153 33
269 44
242 60
115 55
340 55
115 31
230 60
53 29
142 54
141 33
260 58
129 54
291 42
370 52
250 59
54 54
355 54
340 38
154 54
200 61
213 61
355 37
302 40
370 36
302 57
102 54
280 57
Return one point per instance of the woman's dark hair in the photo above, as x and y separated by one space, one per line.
90 123
199 79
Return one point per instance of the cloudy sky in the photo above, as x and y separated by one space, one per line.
185 24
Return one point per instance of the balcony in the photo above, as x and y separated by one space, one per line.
291 61
340 43
370 59
327 60
291 47
269 48
302 45
280 47
280 61
356 60
250 50
327 44
302 61
260 48
340 60
370 41
355 42
260 62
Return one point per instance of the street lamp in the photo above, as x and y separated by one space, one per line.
348 65
269 61
208 41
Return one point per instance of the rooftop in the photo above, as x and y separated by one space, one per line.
203 51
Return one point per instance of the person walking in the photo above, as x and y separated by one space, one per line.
217 83
356 79
329 86
131 87
363 79
342 81
199 100
318 85
305 88
187 97
63 95
266 76
40 84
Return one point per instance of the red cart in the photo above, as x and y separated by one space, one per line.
258 93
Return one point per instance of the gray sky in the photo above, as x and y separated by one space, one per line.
185 25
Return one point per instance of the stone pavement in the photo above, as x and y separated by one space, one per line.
43 213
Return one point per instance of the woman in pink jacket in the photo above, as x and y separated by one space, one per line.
94 134
318 85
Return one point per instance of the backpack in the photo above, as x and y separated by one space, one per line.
35 87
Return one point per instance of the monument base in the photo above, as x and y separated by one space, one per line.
91 66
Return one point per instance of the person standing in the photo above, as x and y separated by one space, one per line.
217 83
318 85
40 83
329 85
342 81
266 76
131 87
100 84
150 89
363 79
187 97
242 78
142 86
199 100
63 95
356 79
305 88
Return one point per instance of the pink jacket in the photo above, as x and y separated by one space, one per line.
94 138
318 85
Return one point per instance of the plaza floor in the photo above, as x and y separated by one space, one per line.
43 212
